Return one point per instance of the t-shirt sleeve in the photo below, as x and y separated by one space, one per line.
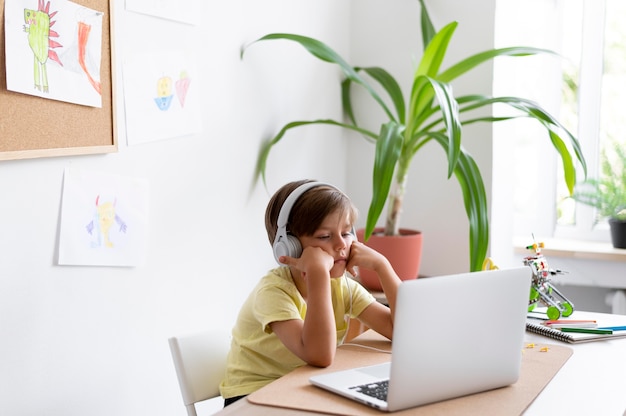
273 304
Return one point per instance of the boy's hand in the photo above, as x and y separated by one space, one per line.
366 257
313 260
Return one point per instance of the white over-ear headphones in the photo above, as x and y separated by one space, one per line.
286 244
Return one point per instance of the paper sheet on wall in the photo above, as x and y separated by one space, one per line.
53 50
185 11
161 93
104 219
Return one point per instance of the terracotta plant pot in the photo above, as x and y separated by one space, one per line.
404 252
618 233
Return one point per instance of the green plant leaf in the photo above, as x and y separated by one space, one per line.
607 193
323 52
473 61
421 94
266 147
428 30
569 170
420 105
475 202
450 113
388 150
532 110
435 52
391 86
346 100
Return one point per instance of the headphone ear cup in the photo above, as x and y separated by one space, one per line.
287 246
295 248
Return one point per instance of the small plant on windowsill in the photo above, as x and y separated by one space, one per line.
430 113
608 192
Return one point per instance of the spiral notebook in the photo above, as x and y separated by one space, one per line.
536 326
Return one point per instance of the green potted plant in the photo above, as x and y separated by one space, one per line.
430 113
608 193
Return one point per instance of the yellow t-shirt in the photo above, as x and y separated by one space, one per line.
257 356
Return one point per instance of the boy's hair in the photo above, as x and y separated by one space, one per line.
309 210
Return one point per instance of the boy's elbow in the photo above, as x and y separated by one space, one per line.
320 363
322 360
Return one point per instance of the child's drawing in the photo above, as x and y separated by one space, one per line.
64 40
164 90
104 219
38 24
182 86
86 62
162 97
164 93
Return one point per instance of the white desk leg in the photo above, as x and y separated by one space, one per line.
616 299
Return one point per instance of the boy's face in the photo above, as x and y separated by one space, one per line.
335 238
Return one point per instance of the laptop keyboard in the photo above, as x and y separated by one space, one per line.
377 390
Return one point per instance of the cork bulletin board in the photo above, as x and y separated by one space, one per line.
32 127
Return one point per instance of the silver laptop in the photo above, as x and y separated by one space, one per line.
453 335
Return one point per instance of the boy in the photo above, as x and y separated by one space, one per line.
299 312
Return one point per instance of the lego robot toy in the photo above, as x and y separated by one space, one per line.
542 291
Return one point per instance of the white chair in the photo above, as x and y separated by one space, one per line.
200 362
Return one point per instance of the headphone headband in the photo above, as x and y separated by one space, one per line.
285 209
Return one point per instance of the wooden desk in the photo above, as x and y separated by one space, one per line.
592 381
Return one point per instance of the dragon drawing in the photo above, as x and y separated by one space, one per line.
38 26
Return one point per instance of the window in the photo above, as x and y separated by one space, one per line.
585 89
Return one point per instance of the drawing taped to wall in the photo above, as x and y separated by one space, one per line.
104 219
178 11
161 97
53 50
182 87
165 94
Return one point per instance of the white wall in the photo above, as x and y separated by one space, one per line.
93 340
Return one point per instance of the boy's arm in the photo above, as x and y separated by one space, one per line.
313 339
377 316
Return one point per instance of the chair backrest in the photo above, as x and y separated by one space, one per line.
200 362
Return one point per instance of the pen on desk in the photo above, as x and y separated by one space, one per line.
614 328
588 330
578 325
569 321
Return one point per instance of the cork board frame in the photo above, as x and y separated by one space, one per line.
61 128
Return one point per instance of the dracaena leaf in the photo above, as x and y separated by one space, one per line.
388 149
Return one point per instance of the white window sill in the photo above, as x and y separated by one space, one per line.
575 249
